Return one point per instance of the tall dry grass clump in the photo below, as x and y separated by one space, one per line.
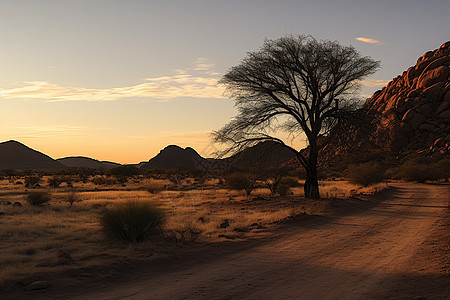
132 221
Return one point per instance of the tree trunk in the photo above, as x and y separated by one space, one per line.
311 187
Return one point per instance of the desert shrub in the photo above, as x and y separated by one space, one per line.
283 189
420 172
366 174
273 177
155 188
32 180
54 181
290 181
37 198
132 221
241 182
72 197
123 171
100 180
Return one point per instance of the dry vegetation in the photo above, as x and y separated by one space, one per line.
66 231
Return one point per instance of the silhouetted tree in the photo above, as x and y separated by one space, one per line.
293 84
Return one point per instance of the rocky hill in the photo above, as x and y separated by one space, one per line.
263 154
415 106
86 163
17 156
173 157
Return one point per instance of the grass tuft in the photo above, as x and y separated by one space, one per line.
132 222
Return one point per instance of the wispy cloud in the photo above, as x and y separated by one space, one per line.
369 40
374 82
25 132
196 82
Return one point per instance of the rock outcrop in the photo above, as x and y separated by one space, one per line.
415 106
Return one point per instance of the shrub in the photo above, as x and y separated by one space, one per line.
54 181
155 188
72 197
125 170
132 221
32 180
100 180
37 198
241 181
420 172
283 189
365 174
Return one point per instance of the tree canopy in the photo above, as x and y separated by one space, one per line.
297 85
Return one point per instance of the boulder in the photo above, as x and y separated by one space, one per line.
444 106
439 74
37 285
440 142
427 127
445 114
434 91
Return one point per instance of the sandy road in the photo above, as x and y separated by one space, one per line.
376 251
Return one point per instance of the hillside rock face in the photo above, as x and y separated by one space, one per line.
415 106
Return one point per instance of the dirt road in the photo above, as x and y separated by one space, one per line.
395 245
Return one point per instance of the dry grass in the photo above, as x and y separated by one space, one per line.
32 237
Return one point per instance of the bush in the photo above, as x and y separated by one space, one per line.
32 180
54 181
72 197
125 170
420 172
100 180
132 221
283 189
155 188
37 198
240 181
365 174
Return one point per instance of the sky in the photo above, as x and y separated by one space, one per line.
121 80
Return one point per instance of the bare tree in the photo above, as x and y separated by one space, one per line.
293 84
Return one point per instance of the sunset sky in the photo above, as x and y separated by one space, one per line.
120 80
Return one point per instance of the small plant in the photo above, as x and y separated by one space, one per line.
188 233
132 222
155 188
37 198
366 174
72 197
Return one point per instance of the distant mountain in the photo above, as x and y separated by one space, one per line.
263 154
86 162
172 157
17 156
